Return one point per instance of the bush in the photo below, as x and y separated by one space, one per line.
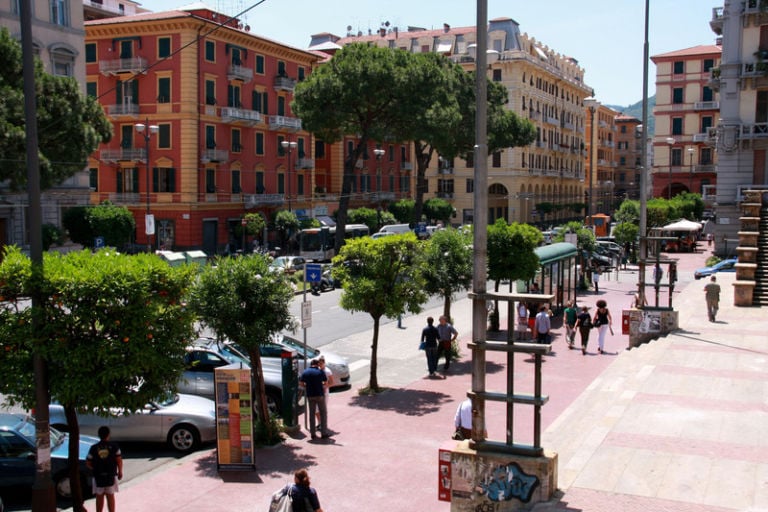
712 260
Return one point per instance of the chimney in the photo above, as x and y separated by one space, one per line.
446 27
383 31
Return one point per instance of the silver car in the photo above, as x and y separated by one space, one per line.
182 421
270 357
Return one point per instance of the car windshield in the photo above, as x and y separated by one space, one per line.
232 353
293 344
167 400
27 429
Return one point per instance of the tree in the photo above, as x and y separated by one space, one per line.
403 210
84 223
255 224
627 233
367 216
448 265
71 125
241 300
382 277
629 211
113 331
286 224
439 209
511 253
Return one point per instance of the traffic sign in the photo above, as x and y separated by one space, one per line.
306 314
98 242
313 273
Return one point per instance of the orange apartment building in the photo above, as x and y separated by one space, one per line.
686 108
600 138
200 108
628 152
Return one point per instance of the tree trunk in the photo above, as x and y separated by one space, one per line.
260 407
73 458
447 307
374 381
423 157
346 191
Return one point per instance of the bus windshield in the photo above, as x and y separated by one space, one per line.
317 244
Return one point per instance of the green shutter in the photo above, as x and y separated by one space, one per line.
135 179
119 184
155 173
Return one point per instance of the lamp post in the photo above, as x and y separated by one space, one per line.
146 130
691 151
591 104
289 146
671 142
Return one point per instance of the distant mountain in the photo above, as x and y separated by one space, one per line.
636 110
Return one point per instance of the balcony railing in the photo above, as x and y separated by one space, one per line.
284 83
240 115
236 72
754 69
123 109
700 137
305 163
252 200
706 105
123 155
716 23
567 125
445 170
445 195
214 155
406 166
754 131
118 66
126 197
284 123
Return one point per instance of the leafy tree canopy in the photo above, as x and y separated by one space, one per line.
448 264
511 251
438 209
585 238
403 210
84 223
71 125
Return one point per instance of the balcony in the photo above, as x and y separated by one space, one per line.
754 131
406 166
700 137
445 170
716 23
291 124
706 105
284 83
445 195
252 200
123 110
568 126
534 115
754 68
240 115
383 196
214 155
305 163
126 198
123 155
551 120
714 79
131 65
242 73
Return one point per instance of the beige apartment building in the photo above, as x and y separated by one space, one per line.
601 164
628 154
687 107
542 183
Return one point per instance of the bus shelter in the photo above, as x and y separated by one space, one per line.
558 273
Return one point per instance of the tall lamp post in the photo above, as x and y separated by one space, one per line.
289 146
671 142
379 153
691 151
146 130
591 104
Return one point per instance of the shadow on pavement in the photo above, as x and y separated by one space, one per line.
411 402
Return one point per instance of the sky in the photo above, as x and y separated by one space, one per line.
605 36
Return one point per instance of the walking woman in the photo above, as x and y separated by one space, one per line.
303 497
603 323
584 325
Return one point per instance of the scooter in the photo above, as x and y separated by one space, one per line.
326 283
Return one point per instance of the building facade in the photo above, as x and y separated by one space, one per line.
741 133
57 35
628 153
542 183
687 107
203 126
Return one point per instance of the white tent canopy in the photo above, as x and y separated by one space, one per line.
683 225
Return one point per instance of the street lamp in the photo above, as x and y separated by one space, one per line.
289 146
591 104
671 142
691 151
146 130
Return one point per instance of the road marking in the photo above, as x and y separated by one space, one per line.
360 363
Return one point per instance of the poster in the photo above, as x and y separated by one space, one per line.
234 417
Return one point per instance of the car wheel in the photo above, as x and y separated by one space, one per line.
184 438
63 485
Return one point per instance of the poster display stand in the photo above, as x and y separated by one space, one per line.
234 418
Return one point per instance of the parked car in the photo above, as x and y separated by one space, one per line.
289 264
18 455
728 265
611 247
183 421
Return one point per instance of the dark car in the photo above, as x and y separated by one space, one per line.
18 455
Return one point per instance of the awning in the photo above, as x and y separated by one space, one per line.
683 225
443 47
555 252
326 221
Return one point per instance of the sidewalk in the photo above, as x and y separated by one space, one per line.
678 424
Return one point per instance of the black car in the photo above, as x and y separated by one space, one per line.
18 455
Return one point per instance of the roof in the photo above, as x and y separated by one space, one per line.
555 252
693 51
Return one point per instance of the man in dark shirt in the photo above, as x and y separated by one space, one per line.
429 337
314 381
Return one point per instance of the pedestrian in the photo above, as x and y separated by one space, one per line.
712 294
596 279
329 383
584 325
462 421
314 381
639 301
522 319
430 337
569 319
542 325
447 334
106 463
603 322
710 239
303 497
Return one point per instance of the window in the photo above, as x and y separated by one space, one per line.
470 186
678 67
259 143
127 93
236 145
60 12
709 64
210 51
497 75
623 161
165 233
237 59
445 187
126 136
677 157
281 105
497 159
319 149
706 123
302 73
210 181
210 137
281 183
260 102
91 89
281 68
210 92
233 96
164 136
677 95
62 62
280 150
677 126
260 64
706 94
623 129
300 147
236 187
164 47
90 52
126 49
705 156
471 159
164 90
260 189
164 179
300 184
93 178
128 180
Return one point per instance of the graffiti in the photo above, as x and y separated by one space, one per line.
507 482
486 507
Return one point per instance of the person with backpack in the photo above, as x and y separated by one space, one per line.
584 325
106 463
303 497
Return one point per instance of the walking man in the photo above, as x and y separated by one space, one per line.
106 463
542 325
429 337
314 381
447 335
712 294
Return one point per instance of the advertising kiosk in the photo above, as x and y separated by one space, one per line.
234 418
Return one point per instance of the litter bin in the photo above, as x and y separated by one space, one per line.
290 378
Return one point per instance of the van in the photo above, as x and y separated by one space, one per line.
396 229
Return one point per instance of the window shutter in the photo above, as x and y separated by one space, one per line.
172 179
155 173
119 177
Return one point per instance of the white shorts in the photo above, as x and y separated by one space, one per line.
112 489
